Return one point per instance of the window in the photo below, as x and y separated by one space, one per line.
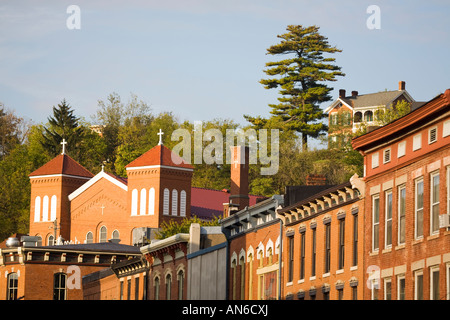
355 240
375 222
418 230
37 209
354 293
401 287
242 268
89 237
174 202
401 151
357 117
368 116
341 243
388 220
168 286
434 283
387 288
341 294
156 288
313 255
302 255
446 129
151 201
434 205
418 285
129 289
375 162
59 286
115 234
432 135
51 240
53 208
401 214
166 202
448 281
134 202
136 288
143 204
291 259
387 156
103 234
12 283
417 142
180 279
183 203
121 290
45 209
327 248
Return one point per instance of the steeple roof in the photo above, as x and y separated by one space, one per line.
62 164
159 156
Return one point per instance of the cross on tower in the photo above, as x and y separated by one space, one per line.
64 142
160 133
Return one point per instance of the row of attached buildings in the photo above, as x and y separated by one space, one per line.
383 236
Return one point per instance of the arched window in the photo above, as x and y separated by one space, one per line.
103 234
143 205
51 240
368 116
134 202
183 203
174 202
12 283
39 242
166 202
115 234
45 209
156 287
168 286
180 279
357 117
151 201
242 267
59 286
89 237
37 209
53 208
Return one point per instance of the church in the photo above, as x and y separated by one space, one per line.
69 204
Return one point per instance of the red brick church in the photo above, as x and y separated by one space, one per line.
70 204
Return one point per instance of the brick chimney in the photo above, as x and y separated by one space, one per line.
239 177
316 180
401 85
341 93
354 93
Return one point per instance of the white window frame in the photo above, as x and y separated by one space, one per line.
432 204
166 201
446 129
375 160
386 220
430 141
401 149
417 142
432 270
447 271
400 188
387 280
387 154
416 275
416 182
399 278
375 197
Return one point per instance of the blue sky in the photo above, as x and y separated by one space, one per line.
203 59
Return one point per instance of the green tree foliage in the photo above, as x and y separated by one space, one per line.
383 116
172 227
301 79
13 131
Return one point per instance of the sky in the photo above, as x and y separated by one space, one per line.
203 59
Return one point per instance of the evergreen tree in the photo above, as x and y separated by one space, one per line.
301 81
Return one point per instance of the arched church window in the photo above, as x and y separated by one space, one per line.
103 234
168 286
51 240
134 202
166 202
151 201
115 234
143 201
53 208
45 209
183 203
174 202
37 209
89 237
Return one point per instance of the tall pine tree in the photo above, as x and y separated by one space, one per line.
301 79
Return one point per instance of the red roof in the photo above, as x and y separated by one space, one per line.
159 155
207 203
62 164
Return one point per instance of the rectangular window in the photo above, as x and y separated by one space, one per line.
387 156
418 230
355 240
432 135
375 162
434 205
341 294
446 129
355 293
302 255
388 220
401 214
401 287
387 288
136 288
418 285
129 289
375 222
121 290
327 248
401 151
341 243
417 142
291 259
434 283
313 255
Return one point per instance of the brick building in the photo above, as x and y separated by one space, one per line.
407 177
322 247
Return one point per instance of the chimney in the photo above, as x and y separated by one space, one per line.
316 180
239 177
354 93
401 85
341 93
